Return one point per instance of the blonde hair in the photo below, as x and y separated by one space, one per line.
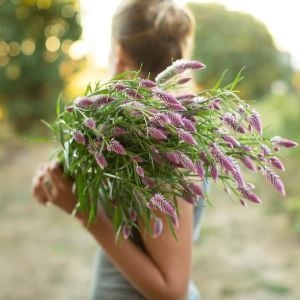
153 33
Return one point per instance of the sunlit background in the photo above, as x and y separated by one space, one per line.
48 47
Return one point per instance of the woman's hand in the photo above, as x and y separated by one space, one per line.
50 185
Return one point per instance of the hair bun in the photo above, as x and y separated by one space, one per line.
170 21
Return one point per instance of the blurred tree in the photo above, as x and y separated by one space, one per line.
35 39
228 40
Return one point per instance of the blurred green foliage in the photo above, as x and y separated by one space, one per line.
35 37
229 40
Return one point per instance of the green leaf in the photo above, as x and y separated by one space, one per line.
171 226
58 103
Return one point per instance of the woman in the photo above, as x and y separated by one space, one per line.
149 34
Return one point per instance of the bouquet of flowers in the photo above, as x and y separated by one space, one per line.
134 146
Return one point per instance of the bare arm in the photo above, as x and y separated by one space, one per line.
161 273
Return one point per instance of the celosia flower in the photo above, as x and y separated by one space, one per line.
196 189
100 159
186 137
274 179
158 201
79 137
247 161
133 215
161 119
186 162
189 198
90 123
173 157
164 96
215 104
276 162
100 100
231 140
157 227
188 125
83 102
214 172
175 118
255 121
140 171
230 120
126 230
199 169
120 86
147 83
178 67
221 158
157 134
116 147
282 142
186 96
176 106
249 195
148 182
117 131
265 149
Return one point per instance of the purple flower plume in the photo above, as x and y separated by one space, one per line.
79 137
158 201
100 100
277 163
189 125
255 121
247 161
249 195
265 149
116 147
175 118
148 182
161 119
186 137
221 158
186 162
83 102
126 230
157 133
101 161
214 172
178 67
199 169
231 140
230 120
90 123
147 83
274 179
187 197
140 171
282 142
173 157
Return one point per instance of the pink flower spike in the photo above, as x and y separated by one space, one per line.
137 159
247 161
133 215
157 134
196 189
126 230
176 106
117 131
189 198
255 121
148 182
276 162
90 123
189 125
161 119
274 179
157 227
164 206
187 96
178 67
282 142
265 149
70 108
116 147
249 195
79 137
175 118
214 172
140 171
147 83
83 102
199 169
173 157
101 161
100 100
186 162
186 137
231 140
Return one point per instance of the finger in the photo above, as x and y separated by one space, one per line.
39 195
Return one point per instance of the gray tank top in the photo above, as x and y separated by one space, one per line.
109 284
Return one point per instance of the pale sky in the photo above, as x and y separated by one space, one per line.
281 18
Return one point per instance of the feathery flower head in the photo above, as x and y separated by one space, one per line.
186 137
140 171
147 83
199 169
277 163
83 102
90 123
100 159
79 137
255 121
178 67
157 133
274 179
157 227
189 125
116 147
282 142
